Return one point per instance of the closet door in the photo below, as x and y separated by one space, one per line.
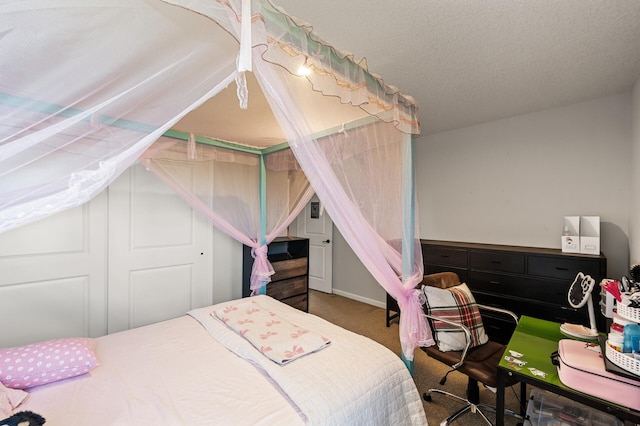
160 252
53 276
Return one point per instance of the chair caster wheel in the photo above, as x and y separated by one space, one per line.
426 397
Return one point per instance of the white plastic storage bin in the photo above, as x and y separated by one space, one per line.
548 409
571 234
590 235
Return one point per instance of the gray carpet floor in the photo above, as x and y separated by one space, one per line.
370 321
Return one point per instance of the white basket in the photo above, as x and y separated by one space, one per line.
622 360
629 313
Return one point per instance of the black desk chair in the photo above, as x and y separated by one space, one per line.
479 363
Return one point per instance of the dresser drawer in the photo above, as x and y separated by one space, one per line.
289 268
299 302
289 259
444 256
563 268
434 269
536 309
497 261
498 327
522 287
287 288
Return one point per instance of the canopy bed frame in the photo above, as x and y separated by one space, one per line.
234 95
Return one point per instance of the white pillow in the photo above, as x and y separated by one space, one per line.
455 304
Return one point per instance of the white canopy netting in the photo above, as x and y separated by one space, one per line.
88 87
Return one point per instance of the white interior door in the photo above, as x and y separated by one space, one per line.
315 224
160 252
53 276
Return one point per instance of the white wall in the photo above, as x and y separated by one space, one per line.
350 277
634 196
511 182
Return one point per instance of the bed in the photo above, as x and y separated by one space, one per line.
196 370
244 113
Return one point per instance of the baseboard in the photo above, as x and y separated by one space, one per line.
360 298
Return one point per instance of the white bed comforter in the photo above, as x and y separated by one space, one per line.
174 373
170 373
353 381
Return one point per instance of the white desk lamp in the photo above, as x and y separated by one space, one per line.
579 295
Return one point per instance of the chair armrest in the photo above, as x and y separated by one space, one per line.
467 336
467 333
505 312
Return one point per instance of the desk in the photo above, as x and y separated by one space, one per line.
537 339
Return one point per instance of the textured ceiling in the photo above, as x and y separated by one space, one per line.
472 61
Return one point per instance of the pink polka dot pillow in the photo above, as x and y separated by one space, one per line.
40 363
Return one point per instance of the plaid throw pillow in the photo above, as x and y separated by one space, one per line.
454 304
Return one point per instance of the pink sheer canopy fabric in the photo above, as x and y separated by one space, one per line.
84 91
357 174
229 199
103 81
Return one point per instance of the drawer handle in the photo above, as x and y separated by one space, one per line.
497 262
494 282
445 256
560 268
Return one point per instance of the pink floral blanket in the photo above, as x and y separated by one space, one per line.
278 339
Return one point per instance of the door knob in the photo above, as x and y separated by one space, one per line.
327 241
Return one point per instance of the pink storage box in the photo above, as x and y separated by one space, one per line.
581 367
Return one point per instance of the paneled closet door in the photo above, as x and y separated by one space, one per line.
160 252
53 276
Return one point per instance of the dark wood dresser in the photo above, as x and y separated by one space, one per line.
526 280
289 257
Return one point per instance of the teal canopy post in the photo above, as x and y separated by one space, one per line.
263 208
408 216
